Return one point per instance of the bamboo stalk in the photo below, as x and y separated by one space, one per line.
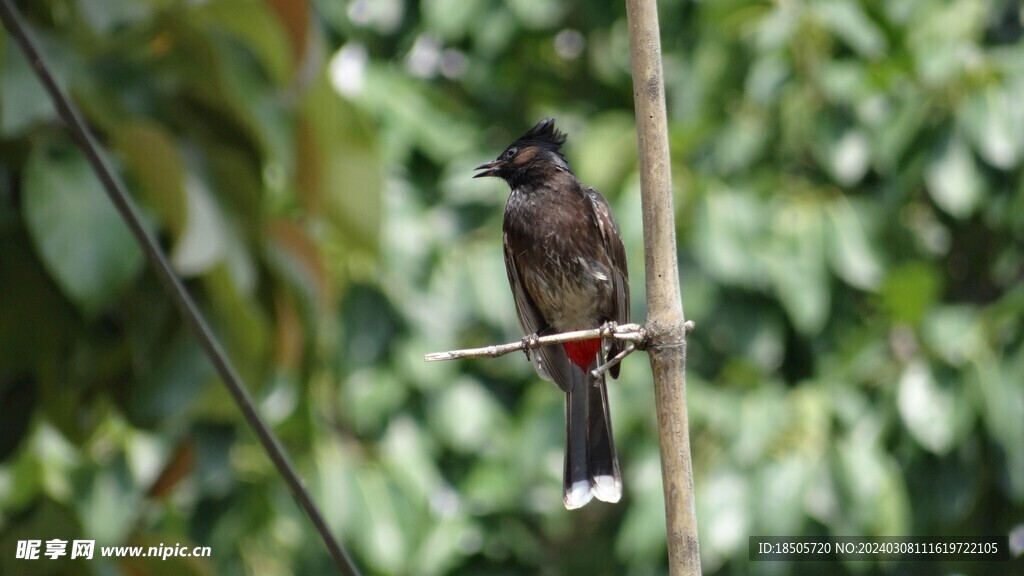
666 328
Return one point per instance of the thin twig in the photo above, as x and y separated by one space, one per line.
597 372
186 306
634 333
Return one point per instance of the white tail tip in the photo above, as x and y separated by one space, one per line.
578 495
607 488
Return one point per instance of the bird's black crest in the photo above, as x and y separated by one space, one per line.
543 135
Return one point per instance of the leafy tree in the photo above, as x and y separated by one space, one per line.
852 231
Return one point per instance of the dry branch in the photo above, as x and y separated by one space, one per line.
634 333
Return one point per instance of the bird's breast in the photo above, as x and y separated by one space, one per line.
559 259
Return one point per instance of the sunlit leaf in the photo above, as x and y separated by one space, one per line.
953 333
105 515
203 239
934 413
850 252
995 123
877 500
723 515
954 180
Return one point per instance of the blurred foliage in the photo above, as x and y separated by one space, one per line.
851 225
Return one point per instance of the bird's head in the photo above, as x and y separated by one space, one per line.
533 153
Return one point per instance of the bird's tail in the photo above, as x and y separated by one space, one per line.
591 467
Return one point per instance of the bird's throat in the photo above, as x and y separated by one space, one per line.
583 352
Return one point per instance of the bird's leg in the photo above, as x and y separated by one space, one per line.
608 335
597 372
607 338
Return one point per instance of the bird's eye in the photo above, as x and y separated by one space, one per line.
511 152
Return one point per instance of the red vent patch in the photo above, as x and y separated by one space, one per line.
583 352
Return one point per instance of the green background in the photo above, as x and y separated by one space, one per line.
850 210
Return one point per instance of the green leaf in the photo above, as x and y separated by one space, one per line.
244 329
253 24
936 415
641 534
876 496
728 226
796 265
954 180
741 142
338 167
850 253
23 102
994 121
157 168
76 230
953 333
850 157
105 17
902 119
606 152
724 513
847 20
910 290
1002 406
203 240
466 416
174 382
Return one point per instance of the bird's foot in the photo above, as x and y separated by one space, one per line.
530 342
608 329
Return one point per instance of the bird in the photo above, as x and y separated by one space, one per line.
566 266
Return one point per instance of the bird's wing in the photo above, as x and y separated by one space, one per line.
549 361
612 239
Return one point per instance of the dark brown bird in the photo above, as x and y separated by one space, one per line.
567 268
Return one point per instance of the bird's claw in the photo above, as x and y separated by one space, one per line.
530 342
608 329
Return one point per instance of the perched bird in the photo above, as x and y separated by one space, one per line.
567 268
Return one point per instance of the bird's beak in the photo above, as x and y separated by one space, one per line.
489 169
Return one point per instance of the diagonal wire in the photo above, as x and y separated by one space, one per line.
186 306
